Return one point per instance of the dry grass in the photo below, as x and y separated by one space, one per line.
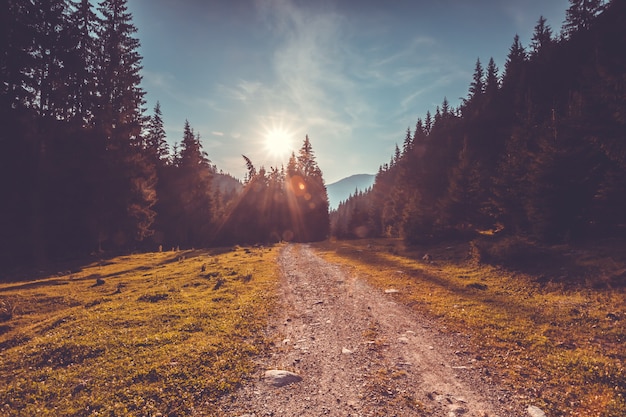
558 345
141 335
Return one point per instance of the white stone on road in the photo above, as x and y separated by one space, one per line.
535 411
280 378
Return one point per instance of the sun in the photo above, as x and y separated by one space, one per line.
279 142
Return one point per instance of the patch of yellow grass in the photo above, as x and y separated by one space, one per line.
559 348
165 334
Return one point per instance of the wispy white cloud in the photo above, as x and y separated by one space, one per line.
157 79
414 48
244 91
215 133
312 72
325 82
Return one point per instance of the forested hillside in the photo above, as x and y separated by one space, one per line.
538 150
83 169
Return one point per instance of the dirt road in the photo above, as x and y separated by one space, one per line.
360 353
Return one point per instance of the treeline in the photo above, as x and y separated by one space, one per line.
281 204
539 151
84 170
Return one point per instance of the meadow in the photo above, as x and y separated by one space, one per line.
151 334
552 327
172 333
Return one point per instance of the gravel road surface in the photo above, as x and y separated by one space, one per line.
359 352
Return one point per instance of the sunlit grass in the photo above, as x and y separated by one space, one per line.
560 347
165 334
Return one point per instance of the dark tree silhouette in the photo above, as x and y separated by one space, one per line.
539 154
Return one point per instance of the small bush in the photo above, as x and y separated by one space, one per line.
219 283
65 355
6 310
153 298
514 251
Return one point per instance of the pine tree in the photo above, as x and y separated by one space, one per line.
312 197
155 140
119 64
514 63
408 142
580 15
437 118
542 37
428 123
16 58
445 108
127 189
191 155
397 154
492 83
477 87
193 178
47 50
80 63
461 205
306 160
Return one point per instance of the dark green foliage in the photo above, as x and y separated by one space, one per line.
581 15
510 251
352 219
539 154
82 169
73 168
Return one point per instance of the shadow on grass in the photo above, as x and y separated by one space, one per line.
64 272
470 291
598 264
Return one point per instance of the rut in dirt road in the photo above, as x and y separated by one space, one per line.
360 353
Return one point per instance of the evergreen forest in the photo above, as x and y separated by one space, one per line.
84 170
536 152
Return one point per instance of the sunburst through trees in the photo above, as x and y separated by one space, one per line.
280 204
83 170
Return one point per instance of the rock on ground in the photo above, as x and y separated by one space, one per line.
280 378
535 411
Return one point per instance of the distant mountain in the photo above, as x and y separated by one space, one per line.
226 183
340 191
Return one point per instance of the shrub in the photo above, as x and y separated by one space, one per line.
153 298
6 310
513 251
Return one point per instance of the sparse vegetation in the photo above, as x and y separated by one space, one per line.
553 328
6 310
156 338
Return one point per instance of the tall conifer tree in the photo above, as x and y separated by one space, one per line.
542 36
121 96
580 15
128 188
155 140
80 68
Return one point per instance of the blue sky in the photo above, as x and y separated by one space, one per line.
353 75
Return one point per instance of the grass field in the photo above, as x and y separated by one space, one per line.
169 333
557 338
152 334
